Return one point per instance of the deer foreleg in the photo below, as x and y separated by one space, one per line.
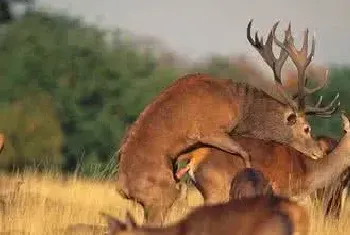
224 142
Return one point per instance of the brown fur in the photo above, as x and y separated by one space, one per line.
198 110
249 182
262 213
291 173
2 141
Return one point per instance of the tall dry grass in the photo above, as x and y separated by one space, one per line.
47 203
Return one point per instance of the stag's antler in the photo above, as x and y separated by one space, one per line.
267 54
301 60
309 91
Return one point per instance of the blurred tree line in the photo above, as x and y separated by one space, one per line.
67 94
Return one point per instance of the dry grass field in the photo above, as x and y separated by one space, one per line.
47 203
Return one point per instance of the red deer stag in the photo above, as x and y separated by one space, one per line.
291 172
257 211
198 110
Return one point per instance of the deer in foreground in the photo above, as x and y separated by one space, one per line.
198 110
290 172
258 211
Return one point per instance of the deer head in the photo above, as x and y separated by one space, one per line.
292 128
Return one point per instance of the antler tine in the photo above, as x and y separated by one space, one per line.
326 114
319 102
329 109
266 51
322 111
276 64
319 87
309 91
300 59
313 45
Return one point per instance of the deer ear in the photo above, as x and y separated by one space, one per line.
114 225
130 221
291 119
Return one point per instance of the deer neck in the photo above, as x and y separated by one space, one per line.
324 170
262 113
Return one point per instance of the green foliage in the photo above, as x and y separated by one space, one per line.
98 88
32 131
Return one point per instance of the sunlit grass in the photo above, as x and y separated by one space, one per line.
46 203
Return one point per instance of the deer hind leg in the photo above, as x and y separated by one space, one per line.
157 196
224 142
156 211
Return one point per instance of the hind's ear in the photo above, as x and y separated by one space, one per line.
114 224
130 221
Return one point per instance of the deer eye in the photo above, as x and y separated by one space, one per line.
292 119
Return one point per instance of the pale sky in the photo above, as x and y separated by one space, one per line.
197 27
